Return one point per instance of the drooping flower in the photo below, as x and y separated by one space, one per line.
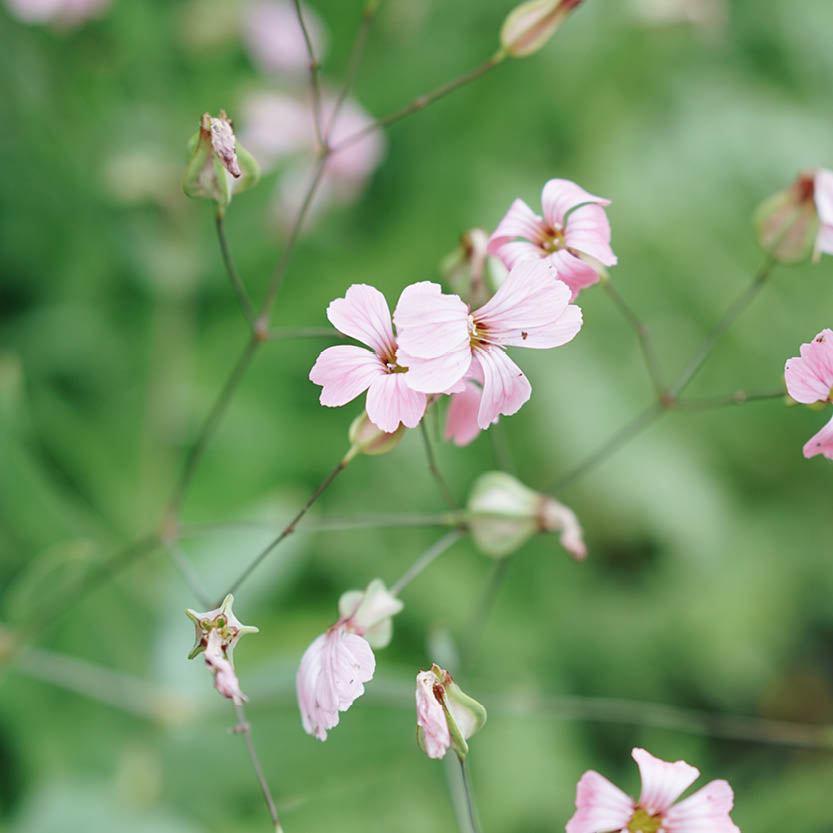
809 380
573 234
225 680
446 717
441 343
602 807
336 665
346 371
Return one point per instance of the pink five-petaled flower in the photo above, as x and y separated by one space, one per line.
602 806
441 343
810 379
336 665
345 371
571 243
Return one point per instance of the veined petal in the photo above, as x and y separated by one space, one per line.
531 309
707 811
390 401
519 221
600 806
461 420
363 314
573 271
662 782
823 195
505 388
809 376
345 371
515 251
821 443
430 323
588 231
439 375
560 195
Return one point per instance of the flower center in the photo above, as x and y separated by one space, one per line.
642 822
554 241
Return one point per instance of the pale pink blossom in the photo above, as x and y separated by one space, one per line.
441 343
809 379
336 665
823 197
61 12
274 37
573 234
346 371
431 716
225 680
602 807
461 420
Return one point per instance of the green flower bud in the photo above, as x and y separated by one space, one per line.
529 26
366 438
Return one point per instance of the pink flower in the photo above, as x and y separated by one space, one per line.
336 665
810 379
461 420
345 371
431 716
225 680
574 244
603 807
823 196
441 343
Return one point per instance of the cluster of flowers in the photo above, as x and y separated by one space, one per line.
443 347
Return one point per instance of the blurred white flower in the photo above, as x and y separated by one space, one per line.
62 12
708 15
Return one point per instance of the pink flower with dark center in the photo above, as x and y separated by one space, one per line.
441 343
602 807
810 379
573 234
346 371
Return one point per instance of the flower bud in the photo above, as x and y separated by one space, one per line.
503 514
366 438
446 716
368 612
529 26
217 159
464 268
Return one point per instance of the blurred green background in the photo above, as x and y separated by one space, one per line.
709 578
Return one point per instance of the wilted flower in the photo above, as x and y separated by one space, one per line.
61 12
338 663
573 235
503 514
440 341
446 717
799 219
601 806
529 26
809 380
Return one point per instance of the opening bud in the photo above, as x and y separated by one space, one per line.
446 716
369 613
529 26
366 438
503 514
218 163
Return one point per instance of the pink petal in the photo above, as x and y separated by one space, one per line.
560 195
824 241
461 420
531 309
600 806
810 377
390 401
363 314
439 375
707 811
823 195
429 323
662 782
588 231
431 716
520 221
821 443
518 250
505 388
344 372
573 271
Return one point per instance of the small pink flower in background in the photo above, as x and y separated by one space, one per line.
577 245
602 807
62 12
346 371
336 665
823 196
809 380
274 38
441 343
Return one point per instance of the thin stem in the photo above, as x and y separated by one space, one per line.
481 612
739 397
421 102
424 560
286 333
234 277
243 728
729 317
446 493
210 424
501 450
287 530
642 332
313 76
469 802
189 575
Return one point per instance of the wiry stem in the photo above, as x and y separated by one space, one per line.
180 561
234 277
469 801
313 77
446 493
424 560
481 612
739 397
287 333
